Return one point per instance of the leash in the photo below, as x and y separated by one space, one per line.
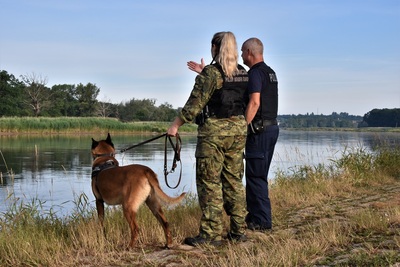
177 157
142 143
177 151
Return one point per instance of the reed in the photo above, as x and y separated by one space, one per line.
48 125
10 172
344 214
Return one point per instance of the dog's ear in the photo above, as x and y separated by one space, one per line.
108 140
94 143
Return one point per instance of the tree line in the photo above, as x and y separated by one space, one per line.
29 96
382 118
335 120
373 118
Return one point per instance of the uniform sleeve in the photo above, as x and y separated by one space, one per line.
255 81
206 83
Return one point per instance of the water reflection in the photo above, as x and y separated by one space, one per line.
57 169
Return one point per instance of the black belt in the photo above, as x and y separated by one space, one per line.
270 122
258 126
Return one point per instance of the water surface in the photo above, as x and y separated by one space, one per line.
57 169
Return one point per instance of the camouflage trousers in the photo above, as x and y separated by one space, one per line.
219 173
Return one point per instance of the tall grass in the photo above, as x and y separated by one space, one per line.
9 173
344 214
81 124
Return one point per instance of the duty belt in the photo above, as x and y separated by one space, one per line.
270 122
259 126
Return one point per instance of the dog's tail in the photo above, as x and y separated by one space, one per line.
153 180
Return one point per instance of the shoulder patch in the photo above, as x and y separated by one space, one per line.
273 78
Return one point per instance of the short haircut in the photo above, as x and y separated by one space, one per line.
254 45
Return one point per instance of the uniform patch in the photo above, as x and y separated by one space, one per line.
273 78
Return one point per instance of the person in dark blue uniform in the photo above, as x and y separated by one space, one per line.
263 131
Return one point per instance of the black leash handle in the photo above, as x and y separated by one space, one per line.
177 157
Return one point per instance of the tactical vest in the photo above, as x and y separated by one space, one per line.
230 99
268 109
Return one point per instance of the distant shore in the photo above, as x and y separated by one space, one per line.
89 125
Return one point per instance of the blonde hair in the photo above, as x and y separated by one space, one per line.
226 54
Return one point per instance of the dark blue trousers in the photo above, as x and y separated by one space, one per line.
259 151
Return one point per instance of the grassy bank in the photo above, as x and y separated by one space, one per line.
68 125
344 214
341 129
73 125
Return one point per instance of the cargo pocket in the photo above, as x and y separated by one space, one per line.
255 164
202 150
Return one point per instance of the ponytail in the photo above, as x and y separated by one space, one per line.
227 55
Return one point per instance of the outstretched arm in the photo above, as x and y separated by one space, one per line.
196 67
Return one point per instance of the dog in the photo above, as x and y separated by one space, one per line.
128 186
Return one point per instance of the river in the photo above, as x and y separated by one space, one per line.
55 170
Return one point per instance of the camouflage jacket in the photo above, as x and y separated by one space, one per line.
209 80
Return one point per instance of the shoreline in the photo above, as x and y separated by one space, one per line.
10 126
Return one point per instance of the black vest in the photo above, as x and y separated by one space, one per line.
268 109
230 100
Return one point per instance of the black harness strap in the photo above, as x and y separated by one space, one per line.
106 165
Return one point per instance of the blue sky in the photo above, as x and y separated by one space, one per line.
329 55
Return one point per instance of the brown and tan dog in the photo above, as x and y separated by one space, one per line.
128 186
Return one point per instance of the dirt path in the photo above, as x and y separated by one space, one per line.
382 198
298 220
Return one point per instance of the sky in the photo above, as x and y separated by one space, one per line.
329 55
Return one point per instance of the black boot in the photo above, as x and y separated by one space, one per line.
236 237
198 240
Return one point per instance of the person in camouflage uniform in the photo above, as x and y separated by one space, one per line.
217 104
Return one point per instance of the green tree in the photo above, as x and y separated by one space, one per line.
383 118
86 96
11 92
165 112
138 110
63 102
